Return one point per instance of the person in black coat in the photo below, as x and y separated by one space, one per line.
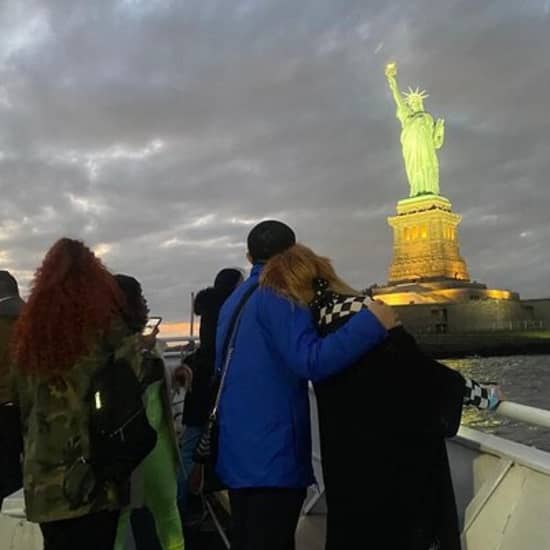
382 423
198 402
207 306
11 441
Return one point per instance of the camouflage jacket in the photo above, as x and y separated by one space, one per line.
55 419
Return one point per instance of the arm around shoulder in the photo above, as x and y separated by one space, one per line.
293 333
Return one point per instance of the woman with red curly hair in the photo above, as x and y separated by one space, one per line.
66 332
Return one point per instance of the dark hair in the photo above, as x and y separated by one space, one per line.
8 284
228 278
135 310
73 302
212 298
269 238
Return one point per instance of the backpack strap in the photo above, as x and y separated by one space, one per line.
229 343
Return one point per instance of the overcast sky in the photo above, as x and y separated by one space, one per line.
158 131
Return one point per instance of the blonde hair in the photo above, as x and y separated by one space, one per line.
293 272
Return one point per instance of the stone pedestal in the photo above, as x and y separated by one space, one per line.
425 241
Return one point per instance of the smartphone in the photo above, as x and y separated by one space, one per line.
151 325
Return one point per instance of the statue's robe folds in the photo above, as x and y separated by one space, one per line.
419 152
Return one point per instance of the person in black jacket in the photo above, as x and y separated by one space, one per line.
198 402
382 423
11 442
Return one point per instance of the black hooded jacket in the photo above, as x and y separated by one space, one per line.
383 425
208 304
11 442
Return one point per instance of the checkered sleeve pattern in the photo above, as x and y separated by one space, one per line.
477 395
342 306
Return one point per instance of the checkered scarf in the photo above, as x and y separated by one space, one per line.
329 307
477 395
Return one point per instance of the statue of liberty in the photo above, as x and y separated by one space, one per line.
420 137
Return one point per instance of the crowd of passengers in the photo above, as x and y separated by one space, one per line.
384 407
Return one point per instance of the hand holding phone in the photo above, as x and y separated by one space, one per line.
151 325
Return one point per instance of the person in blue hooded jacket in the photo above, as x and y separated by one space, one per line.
264 445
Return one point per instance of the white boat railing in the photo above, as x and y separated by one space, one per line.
167 342
176 339
524 413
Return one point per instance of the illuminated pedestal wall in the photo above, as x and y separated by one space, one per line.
427 267
425 241
440 292
449 314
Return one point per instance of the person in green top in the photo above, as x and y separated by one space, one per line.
64 335
156 477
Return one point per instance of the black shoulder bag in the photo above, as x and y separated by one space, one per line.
119 431
207 448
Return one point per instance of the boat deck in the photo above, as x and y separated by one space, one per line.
311 533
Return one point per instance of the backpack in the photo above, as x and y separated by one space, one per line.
120 433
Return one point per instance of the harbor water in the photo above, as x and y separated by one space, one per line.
525 379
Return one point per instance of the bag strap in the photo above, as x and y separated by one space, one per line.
228 345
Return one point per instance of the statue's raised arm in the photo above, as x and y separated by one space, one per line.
402 107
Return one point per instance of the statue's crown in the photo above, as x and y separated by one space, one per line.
415 94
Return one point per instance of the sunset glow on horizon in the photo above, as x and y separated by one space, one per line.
178 329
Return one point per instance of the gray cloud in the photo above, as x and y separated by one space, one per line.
161 130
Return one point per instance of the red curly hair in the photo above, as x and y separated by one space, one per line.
73 301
